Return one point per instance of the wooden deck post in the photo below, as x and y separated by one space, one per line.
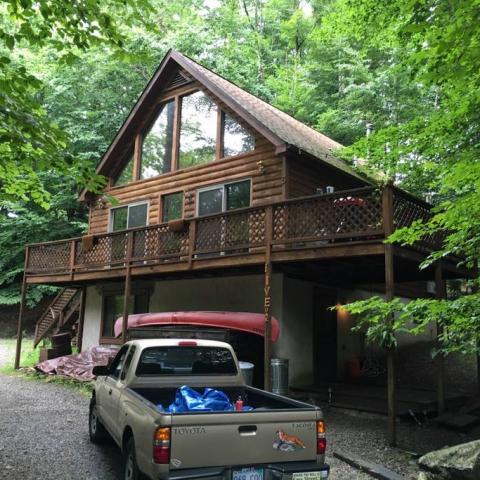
81 319
23 297
128 285
440 292
267 301
389 294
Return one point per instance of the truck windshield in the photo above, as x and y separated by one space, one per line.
184 360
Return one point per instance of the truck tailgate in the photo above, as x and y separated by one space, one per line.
242 438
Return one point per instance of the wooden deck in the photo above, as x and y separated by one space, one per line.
344 224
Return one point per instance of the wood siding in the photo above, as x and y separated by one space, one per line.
305 175
266 187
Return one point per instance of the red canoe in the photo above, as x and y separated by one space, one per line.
244 321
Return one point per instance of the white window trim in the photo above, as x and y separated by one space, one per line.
224 197
128 205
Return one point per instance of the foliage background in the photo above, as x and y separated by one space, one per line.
406 71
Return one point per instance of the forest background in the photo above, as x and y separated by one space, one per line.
395 81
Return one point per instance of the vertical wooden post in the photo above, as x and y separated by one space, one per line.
73 253
267 303
192 232
81 319
128 285
23 297
388 226
440 292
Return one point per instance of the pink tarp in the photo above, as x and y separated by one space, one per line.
78 366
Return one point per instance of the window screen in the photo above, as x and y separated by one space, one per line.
183 360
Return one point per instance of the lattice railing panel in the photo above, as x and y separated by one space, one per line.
49 257
407 209
328 217
159 242
107 250
231 231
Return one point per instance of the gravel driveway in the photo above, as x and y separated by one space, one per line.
43 436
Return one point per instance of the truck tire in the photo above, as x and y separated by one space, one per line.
96 430
130 467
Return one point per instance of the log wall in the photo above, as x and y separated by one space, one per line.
305 175
266 187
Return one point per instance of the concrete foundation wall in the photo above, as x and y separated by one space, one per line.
92 319
296 340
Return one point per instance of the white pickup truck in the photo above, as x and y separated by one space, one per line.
278 439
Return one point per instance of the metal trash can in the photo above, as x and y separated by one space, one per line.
247 371
279 375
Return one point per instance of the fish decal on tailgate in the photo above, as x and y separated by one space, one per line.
287 443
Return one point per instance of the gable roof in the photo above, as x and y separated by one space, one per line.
281 129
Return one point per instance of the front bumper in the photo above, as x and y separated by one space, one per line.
274 471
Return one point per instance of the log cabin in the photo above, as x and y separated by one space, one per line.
223 202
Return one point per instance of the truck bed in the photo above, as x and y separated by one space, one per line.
252 397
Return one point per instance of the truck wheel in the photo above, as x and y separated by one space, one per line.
130 467
96 430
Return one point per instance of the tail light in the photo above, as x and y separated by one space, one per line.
321 440
187 343
161 445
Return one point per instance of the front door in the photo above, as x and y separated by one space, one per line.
325 336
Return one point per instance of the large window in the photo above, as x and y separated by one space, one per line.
223 197
129 216
172 206
126 175
158 144
236 138
113 309
198 131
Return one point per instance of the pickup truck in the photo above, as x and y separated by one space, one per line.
277 439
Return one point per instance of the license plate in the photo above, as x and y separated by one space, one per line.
248 474
309 475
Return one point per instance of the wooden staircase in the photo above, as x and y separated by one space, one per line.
60 315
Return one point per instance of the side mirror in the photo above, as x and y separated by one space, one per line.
100 370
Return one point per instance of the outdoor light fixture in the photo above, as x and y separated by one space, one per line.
261 167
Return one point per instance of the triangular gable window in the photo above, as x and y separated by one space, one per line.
126 176
158 143
236 138
198 131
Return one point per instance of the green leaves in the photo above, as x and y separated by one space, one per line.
458 318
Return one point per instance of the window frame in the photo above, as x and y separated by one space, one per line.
106 340
162 204
224 196
177 96
127 205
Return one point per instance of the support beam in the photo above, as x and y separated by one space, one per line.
440 293
18 350
81 318
267 301
387 208
128 286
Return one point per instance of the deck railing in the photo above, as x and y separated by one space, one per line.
308 222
